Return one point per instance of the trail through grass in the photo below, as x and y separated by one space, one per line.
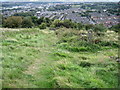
32 59
25 51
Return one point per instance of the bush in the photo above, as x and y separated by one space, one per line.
89 26
57 23
99 28
112 44
40 20
24 14
85 64
43 26
52 26
34 20
27 22
77 49
47 21
73 48
13 22
62 55
68 24
79 26
116 28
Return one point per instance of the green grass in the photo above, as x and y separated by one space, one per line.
34 58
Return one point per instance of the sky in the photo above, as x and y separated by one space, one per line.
66 0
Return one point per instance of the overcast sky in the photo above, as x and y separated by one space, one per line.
67 0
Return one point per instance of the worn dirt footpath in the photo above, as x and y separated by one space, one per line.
40 63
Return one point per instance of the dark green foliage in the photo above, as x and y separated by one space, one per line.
99 28
85 64
52 26
96 28
68 24
76 41
42 26
58 7
77 49
89 26
13 22
112 44
65 23
26 14
27 22
80 26
116 28
34 20
47 21
61 54
83 58
81 47
1 19
57 23
40 20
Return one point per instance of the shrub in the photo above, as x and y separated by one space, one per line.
43 26
68 24
62 54
40 20
99 28
24 14
47 21
113 44
27 22
89 26
52 26
116 28
57 23
79 26
77 49
13 22
80 46
34 20
85 64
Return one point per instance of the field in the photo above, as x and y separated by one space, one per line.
34 58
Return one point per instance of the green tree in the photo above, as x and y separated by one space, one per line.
27 22
1 18
79 26
40 20
56 23
47 21
89 26
68 24
34 20
13 22
99 28
52 26
42 26
24 14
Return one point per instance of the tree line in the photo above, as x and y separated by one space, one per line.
43 23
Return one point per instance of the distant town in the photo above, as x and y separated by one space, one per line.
86 13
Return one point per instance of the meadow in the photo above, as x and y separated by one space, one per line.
34 58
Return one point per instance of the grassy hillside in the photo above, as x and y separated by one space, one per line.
58 59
